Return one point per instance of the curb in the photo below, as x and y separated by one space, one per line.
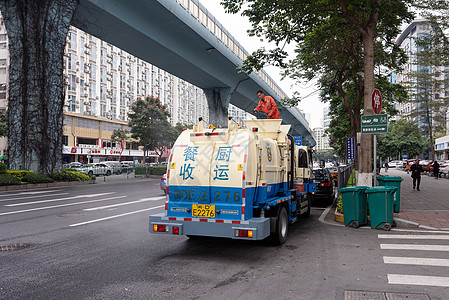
43 185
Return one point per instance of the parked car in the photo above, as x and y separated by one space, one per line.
96 169
445 170
394 164
324 185
163 183
127 166
115 165
72 165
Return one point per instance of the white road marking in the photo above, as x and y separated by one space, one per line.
418 280
125 203
419 261
32 197
61 199
414 247
413 237
116 216
60 205
30 193
420 231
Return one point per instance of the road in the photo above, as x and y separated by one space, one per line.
92 242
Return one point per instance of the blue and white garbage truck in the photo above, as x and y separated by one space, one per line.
236 183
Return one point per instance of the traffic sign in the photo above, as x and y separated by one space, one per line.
375 124
376 101
350 148
298 140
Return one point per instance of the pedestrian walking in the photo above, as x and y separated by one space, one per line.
416 169
386 167
436 169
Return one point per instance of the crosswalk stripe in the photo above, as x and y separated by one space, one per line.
414 247
440 262
61 199
33 197
60 205
125 203
418 280
116 216
413 237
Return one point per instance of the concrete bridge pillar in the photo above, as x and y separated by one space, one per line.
218 101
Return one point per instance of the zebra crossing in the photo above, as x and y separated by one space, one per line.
426 252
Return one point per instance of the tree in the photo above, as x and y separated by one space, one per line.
119 135
284 22
37 31
403 138
148 119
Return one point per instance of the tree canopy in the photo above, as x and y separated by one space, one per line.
335 28
403 138
149 122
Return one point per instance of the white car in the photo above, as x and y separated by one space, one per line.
394 164
96 169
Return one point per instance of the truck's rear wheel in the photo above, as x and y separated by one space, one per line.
280 235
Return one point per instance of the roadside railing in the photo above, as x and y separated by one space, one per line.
343 176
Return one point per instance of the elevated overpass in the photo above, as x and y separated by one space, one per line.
183 38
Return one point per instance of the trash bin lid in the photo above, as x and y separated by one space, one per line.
390 178
352 189
380 189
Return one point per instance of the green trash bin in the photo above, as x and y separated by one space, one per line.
354 205
380 203
396 182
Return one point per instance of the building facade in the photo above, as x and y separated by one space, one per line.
102 81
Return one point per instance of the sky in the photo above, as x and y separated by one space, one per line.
237 26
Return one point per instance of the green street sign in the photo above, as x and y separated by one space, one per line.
374 124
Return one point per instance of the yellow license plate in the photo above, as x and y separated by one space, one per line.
203 211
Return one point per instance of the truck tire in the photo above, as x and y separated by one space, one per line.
108 173
279 237
90 173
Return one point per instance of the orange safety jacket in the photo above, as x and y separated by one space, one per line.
268 105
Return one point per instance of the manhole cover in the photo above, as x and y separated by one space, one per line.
366 295
15 247
73 214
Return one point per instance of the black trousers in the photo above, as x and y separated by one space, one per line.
416 182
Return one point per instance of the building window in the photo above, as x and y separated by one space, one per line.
92 90
103 93
72 83
114 96
93 71
93 52
102 75
72 38
103 110
72 103
3 37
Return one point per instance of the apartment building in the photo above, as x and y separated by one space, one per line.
102 81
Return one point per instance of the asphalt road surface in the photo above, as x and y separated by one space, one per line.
93 242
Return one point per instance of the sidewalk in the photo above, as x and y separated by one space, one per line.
426 208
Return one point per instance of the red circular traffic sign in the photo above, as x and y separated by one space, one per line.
376 101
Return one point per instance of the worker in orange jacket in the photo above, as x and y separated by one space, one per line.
267 105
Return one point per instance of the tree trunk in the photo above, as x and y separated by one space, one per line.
37 31
365 158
